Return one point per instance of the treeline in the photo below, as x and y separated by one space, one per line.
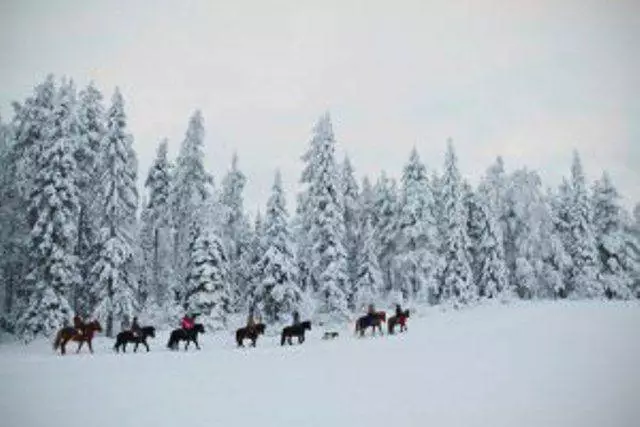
72 239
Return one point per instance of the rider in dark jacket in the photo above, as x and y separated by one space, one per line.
135 327
296 317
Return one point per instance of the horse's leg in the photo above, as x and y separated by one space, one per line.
146 345
196 342
79 346
186 346
90 346
135 349
63 345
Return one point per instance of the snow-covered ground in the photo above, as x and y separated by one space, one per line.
539 364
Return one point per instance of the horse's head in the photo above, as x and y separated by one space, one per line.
406 313
260 327
306 325
382 315
149 331
199 328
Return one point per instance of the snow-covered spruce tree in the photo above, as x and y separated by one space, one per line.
369 283
489 265
385 225
28 128
415 262
191 188
324 210
633 228
278 293
91 123
236 232
257 248
584 280
352 208
53 211
156 235
456 281
114 285
207 288
618 266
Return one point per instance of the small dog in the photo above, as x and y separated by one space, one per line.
329 335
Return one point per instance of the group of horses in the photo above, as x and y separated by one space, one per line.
88 330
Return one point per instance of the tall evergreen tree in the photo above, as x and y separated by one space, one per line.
618 267
190 191
415 262
328 257
584 277
369 283
156 232
91 123
456 282
385 225
236 231
112 275
352 208
53 211
278 293
207 290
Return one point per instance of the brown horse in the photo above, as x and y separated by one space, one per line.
374 321
251 333
398 320
85 334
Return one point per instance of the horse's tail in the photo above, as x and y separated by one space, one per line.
57 341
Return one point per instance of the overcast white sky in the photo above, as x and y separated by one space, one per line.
529 80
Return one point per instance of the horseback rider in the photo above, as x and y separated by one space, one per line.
78 324
251 322
296 317
187 322
371 312
136 330
399 312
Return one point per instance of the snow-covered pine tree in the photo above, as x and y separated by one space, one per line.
584 280
236 232
328 258
114 286
278 293
618 267
28 127
351 203
369 283
53 211
156 234
415 262
456 282
385 225
207 290
489 265
191 188
91 123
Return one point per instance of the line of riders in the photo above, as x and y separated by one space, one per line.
137 334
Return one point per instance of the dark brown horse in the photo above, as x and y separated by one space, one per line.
250 333
374 321
82 335
398 320
296 330
125 337
188 335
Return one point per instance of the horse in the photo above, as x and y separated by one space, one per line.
188 335
295 331
374 321
398 320
250 333
125 337
69 333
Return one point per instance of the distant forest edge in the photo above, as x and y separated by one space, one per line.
74 238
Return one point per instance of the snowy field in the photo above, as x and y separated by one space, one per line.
540 364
